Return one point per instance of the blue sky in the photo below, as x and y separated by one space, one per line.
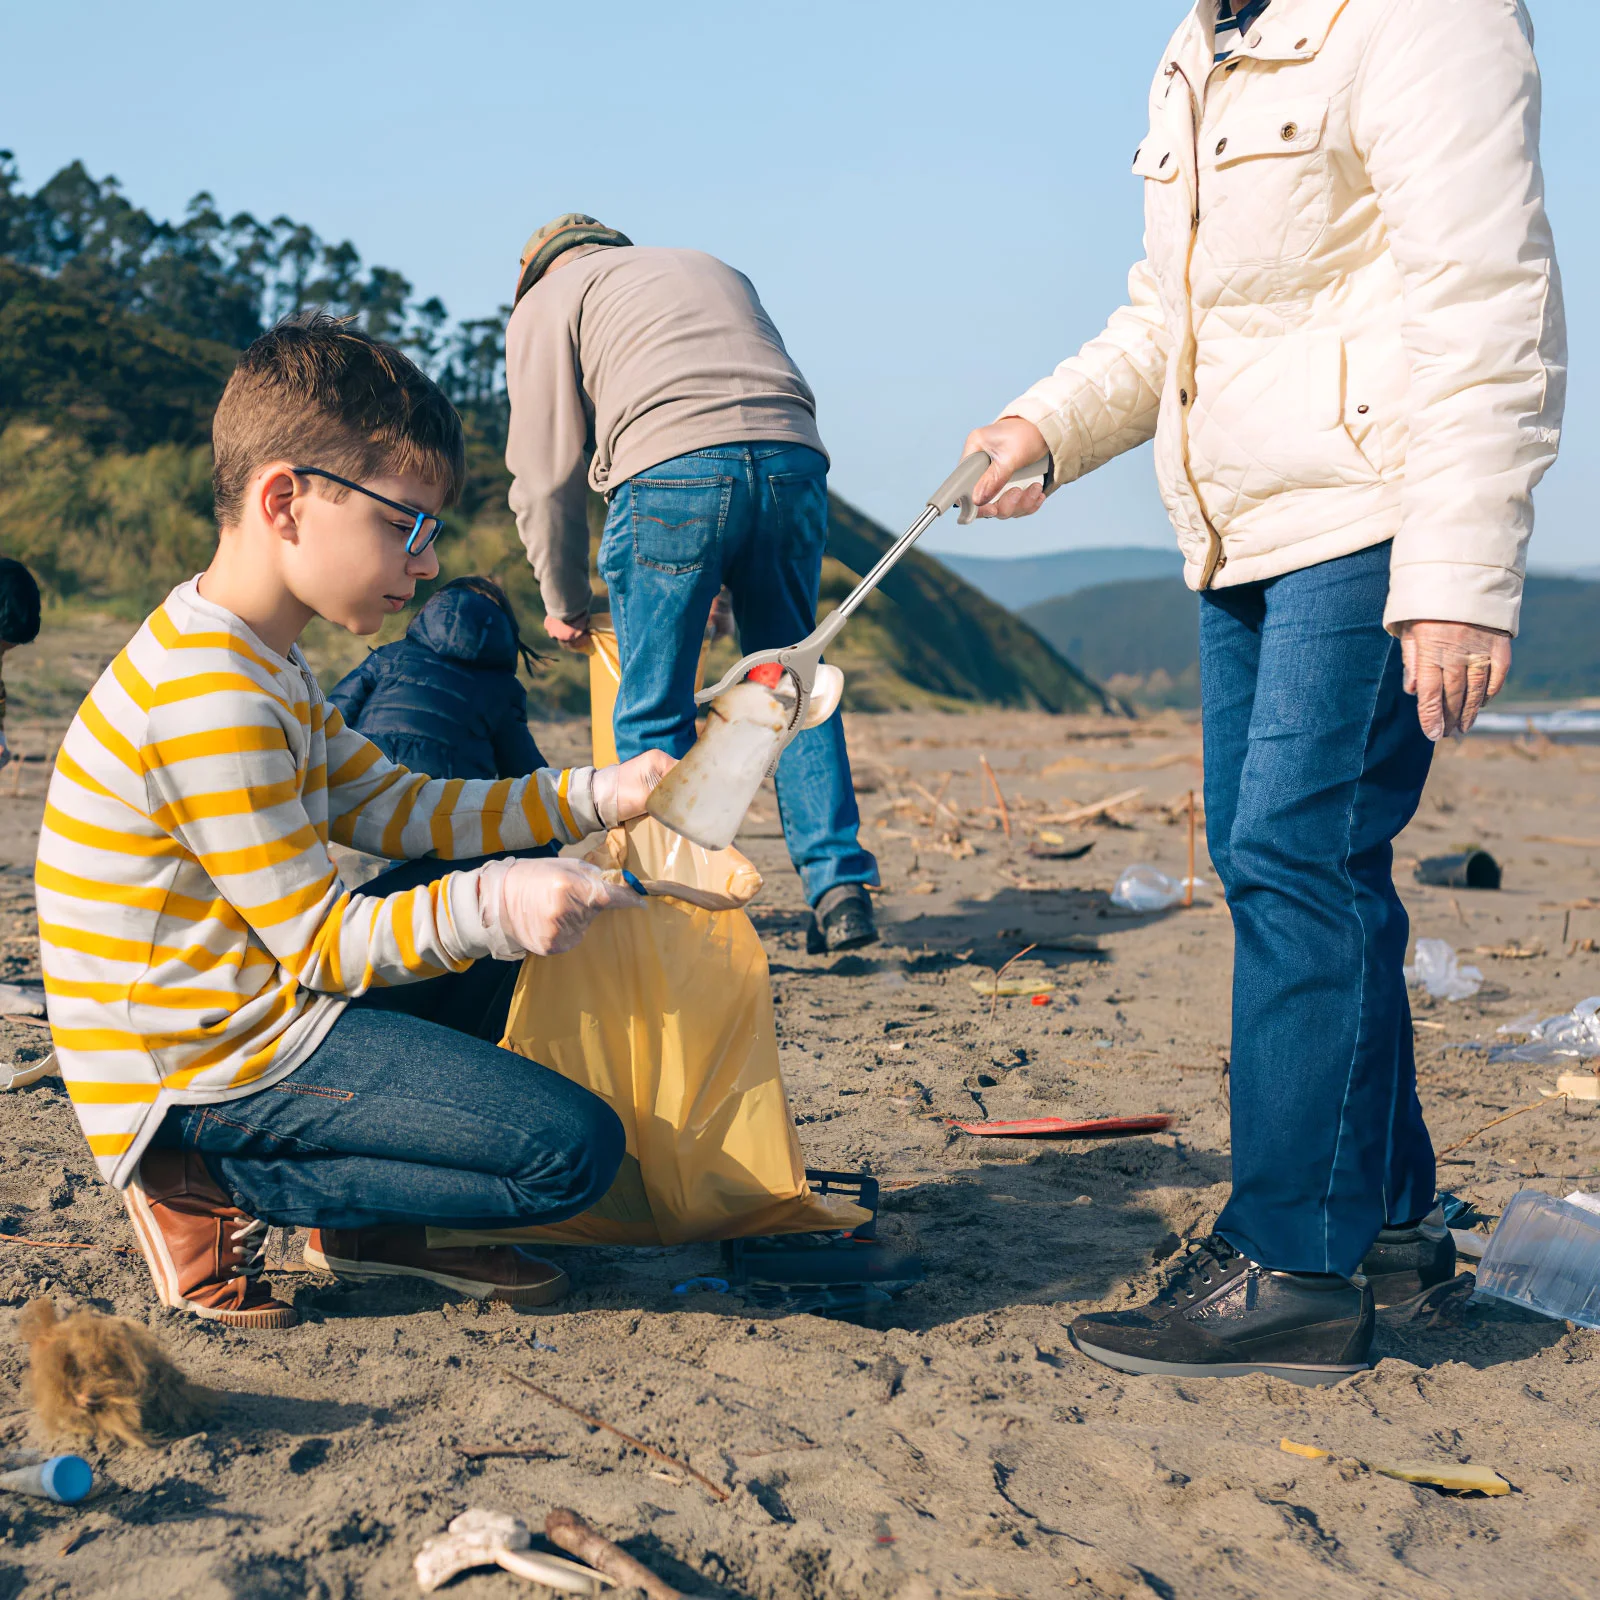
933 199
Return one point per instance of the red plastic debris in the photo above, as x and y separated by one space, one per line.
1060 1128
1041 1000
769 675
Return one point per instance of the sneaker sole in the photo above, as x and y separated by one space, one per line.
1307 1375
164 1274
538 1294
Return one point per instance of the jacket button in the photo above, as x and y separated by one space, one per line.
1183 397
1222 144
1289 131
1363 410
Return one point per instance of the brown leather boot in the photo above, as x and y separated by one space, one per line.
204 1253
486 1272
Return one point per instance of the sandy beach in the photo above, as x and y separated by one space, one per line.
959 1448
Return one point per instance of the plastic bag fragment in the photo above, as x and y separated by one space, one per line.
1439 972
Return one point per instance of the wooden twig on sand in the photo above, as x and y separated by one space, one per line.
937 803
1188 883
716 1491
1000 799
569 1530
1083 813
1497 1121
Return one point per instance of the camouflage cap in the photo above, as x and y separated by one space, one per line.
572 228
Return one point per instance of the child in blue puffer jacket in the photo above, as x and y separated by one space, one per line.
445 699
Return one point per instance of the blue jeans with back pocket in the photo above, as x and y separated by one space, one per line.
753 517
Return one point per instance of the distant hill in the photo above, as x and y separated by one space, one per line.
1141 639
111 364
1028 580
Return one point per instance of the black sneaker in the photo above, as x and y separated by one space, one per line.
1222 1315
842 921
1403 1262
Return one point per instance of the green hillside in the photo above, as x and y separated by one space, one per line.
117 333
1141 639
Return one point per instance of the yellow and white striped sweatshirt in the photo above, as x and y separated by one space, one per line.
196 940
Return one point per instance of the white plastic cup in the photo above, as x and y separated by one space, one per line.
66 1479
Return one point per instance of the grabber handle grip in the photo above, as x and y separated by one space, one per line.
960 482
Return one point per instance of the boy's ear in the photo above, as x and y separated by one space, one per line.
275 493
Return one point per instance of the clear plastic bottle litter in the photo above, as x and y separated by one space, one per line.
1545 1254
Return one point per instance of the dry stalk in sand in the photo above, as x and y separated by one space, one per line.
1498 1120
1000 799
1000 972
719 1493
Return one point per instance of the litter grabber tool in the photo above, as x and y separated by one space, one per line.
769 696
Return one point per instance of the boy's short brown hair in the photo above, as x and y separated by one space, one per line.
318 392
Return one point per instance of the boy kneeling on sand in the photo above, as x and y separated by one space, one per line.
245 1040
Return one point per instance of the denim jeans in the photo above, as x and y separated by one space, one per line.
1314 761
409 1111
753 517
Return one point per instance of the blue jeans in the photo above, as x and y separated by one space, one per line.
409 1111
753 517
1314 761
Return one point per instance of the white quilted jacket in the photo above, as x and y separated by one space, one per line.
1348 325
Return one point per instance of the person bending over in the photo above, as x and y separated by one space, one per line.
656 377
1346 338
245 1040
445 699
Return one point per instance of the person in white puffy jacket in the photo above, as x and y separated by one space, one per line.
1346 338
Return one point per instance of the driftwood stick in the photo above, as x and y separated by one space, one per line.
716 1490
936 802
1083 813
569 1530
1000 799
1498 1120
1000 972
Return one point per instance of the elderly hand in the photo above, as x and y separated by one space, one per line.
621 792
1012 444
569 635
1452 668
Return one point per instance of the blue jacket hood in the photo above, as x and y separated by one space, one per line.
466 627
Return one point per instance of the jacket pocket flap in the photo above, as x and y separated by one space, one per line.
1291 128
1156 158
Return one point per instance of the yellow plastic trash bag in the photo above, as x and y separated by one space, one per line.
605 678
666 1013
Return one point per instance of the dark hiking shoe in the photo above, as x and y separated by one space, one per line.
1221 1315
842 920
1403 1262
486 1272
205 1255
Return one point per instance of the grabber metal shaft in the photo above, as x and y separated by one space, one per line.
800 660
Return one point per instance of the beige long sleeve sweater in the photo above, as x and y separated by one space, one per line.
623 359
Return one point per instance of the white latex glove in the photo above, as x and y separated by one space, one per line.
1452 668
1012 444
621 792
541 908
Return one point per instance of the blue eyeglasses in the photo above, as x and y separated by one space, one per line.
425 525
